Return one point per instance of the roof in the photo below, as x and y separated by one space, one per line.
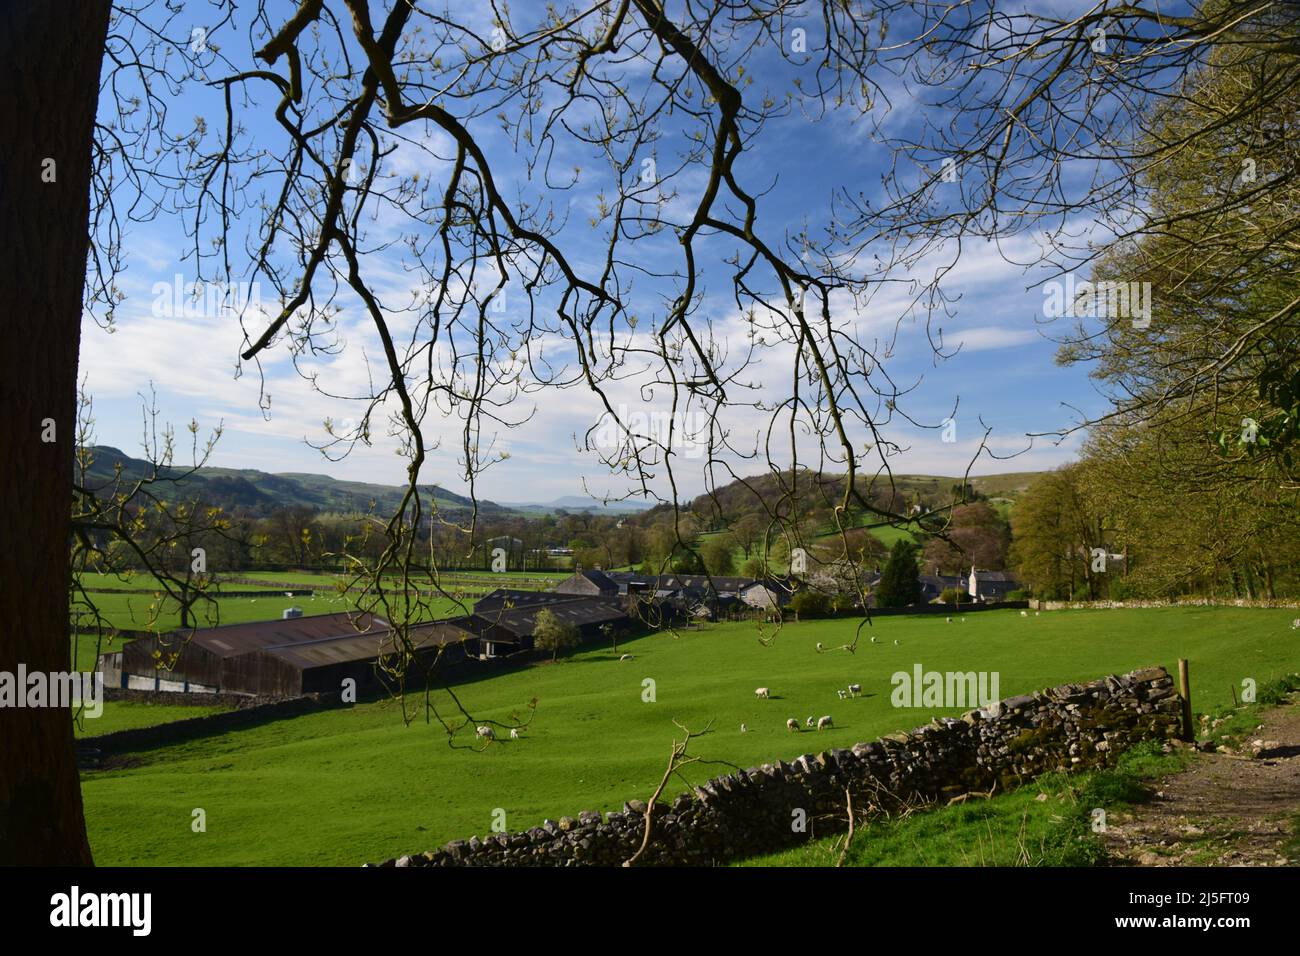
357 647
232 640
577 610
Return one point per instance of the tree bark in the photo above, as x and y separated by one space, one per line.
50 56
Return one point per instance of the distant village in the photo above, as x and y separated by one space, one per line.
297 655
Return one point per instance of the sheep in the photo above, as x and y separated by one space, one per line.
855 690
948 620
763 693
792 724
744 729
485 732
514 733
820 648
843 694
874 641
626 657
896 642
810 723
825 722
1295 625
1024 614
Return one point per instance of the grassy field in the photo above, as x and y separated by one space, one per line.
132 604
353 785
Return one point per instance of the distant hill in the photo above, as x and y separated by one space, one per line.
580 503
260 493
894 493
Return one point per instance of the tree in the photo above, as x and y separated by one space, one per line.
51 56
718 554
810 603
747 531
1057 529
900 582
975 535
552 634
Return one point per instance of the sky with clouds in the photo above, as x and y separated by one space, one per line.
1000 372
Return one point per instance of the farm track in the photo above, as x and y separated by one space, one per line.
1228 808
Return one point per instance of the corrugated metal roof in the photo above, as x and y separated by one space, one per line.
233 640
345 648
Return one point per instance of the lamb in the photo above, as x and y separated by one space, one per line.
514 733
810 723
1024 614
744 729
824 723
819 647
874 641
792 724
843 694
855 690
626 657
486 733
948 620
896 642
763 693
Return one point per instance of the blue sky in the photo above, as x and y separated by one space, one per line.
1003 375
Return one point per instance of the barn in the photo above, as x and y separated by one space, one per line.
284 658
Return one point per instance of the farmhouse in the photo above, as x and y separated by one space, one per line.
986 586
284 658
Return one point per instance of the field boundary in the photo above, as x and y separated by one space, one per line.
777 806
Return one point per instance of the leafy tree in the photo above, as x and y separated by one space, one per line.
900 581
811 603
718 553
552 634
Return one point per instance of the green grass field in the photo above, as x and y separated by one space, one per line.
348 786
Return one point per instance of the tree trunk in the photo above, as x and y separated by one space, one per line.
50 56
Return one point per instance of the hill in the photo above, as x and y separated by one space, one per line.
259 492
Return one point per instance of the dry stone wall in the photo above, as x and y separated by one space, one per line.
1072 727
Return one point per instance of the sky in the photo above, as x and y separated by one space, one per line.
1002 377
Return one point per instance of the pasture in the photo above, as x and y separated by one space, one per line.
354 785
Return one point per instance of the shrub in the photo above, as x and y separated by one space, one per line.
808 603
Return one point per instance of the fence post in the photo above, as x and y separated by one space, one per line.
1185 693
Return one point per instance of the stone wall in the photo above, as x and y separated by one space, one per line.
1072 727
1167 602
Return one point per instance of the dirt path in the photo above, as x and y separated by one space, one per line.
1234 808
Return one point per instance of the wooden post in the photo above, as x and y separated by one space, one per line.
1185 692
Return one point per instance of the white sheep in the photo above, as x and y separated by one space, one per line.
824 722
948 620
762 693
1024 614
514 733
1295 625
874 641
895 642
843 694
810 723
486 733
855 690
792 724
626 657
744 729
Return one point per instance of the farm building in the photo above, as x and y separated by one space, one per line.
284 658
504 620
985 586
